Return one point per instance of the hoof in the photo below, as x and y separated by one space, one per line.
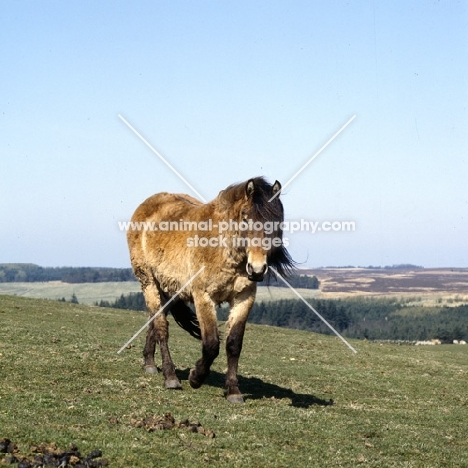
151 369
173 384
235 398
193 383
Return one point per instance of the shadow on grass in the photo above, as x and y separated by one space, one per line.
253 388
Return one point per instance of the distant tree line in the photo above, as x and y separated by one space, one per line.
361 318
373 319
132 301
28 272
390 319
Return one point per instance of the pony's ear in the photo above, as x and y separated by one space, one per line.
276 187
249 188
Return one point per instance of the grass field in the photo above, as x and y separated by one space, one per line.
62 380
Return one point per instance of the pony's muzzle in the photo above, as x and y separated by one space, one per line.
256 272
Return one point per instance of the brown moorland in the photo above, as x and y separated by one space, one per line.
388 281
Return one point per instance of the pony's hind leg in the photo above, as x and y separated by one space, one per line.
158 332
206 314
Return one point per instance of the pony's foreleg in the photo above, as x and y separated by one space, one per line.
158 331
149 349
206 314
238 315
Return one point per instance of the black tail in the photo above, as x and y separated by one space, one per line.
186 318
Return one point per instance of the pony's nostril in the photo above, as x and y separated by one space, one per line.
252 271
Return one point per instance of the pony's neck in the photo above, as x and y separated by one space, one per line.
234 252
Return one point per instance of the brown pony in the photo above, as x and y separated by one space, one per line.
227 237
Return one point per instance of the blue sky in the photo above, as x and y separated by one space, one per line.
227 91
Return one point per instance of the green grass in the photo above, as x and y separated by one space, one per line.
62 380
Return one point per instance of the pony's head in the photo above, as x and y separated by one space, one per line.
256 218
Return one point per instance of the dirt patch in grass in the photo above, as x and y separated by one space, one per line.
157 423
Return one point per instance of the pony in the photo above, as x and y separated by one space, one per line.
199 255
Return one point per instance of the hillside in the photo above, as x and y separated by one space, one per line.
309 400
